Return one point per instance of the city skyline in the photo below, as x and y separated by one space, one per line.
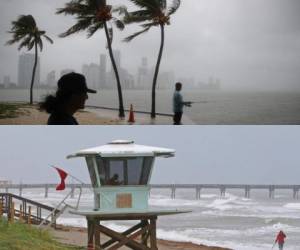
249 45
98 77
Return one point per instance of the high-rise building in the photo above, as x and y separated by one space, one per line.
51 81
143 77
66 71
166 80
102 71
25 67
6 81
91 73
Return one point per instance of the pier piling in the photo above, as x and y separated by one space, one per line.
46 191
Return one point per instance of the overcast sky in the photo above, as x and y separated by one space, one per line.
204 154
248 43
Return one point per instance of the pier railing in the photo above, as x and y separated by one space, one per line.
247 188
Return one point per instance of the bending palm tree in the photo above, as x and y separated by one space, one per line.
25 30
152 13
93 15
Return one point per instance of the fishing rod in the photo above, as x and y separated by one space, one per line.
198 102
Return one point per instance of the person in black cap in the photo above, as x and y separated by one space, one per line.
70 96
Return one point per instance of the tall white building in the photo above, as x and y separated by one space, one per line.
166 80
143 76
66 71
102 72
6 81
51 81
91 73
25 67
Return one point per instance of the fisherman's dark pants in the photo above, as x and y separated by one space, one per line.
177 118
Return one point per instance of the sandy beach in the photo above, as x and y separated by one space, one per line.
30 115
78 237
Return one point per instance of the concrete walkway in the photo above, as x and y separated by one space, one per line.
141 118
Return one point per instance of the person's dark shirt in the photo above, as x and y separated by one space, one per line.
57 118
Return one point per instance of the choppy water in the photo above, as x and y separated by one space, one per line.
221 107
233 221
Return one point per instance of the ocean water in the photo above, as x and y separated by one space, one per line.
219 107
233 221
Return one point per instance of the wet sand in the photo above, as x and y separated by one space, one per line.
78 237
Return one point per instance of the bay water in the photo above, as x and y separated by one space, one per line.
215 107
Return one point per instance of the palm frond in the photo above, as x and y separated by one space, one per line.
40 43
71 8
13 41
119 24
174 7
162 4
129 38
31 44
25 42
146 25
138 16
24 21
100 3
152 5
121 10
92 29
82 24
48 38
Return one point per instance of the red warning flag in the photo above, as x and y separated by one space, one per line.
63 175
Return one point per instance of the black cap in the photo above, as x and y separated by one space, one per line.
74 83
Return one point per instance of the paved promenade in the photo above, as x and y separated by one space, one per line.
141 118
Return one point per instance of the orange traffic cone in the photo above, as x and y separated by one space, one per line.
131 115
90 246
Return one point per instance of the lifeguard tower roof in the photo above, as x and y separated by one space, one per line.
124 148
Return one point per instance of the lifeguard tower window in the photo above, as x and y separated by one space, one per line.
90 164
124 171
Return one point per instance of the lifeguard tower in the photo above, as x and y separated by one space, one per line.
120 173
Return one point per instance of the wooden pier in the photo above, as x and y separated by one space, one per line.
224 187
271 189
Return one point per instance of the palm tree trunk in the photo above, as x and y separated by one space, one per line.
121 106
162 28
33 73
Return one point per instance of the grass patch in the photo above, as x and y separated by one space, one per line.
10 110
17 236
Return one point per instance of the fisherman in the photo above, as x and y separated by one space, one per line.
178 104
70 96
280 239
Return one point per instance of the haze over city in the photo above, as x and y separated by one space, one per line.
251 44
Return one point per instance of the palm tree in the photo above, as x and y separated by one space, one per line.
25 31
152 13
93 15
